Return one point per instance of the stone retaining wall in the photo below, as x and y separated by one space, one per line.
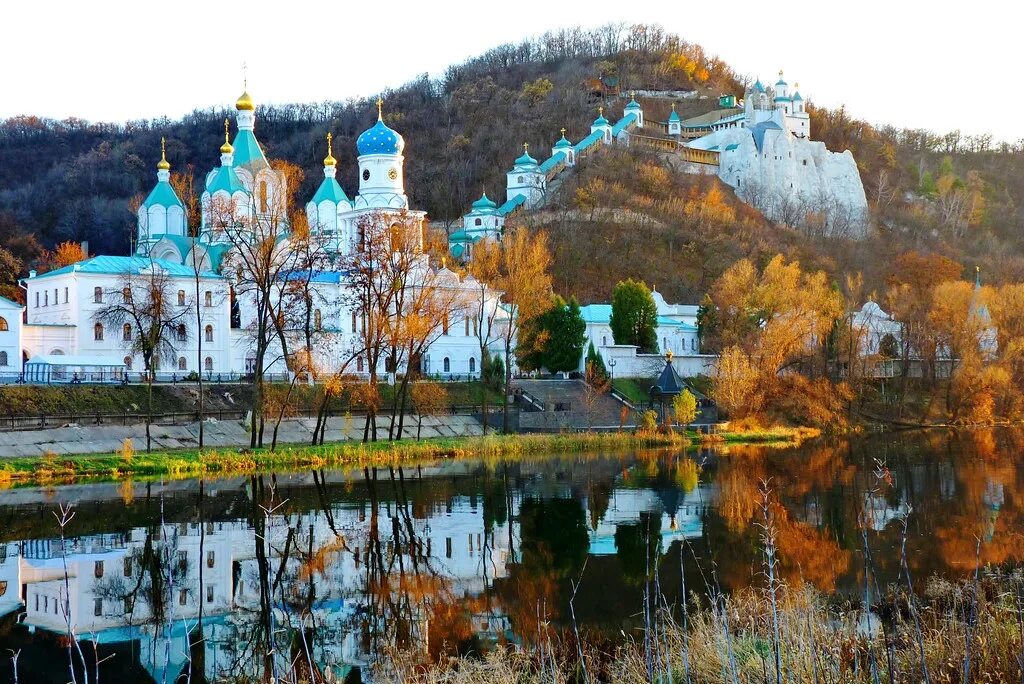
109 438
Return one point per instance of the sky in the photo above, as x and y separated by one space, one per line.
937 65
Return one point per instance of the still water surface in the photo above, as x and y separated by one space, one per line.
331 569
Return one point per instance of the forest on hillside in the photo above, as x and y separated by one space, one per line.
949 194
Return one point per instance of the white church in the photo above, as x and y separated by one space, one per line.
763 150
63 337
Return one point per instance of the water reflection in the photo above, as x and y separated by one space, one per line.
321 573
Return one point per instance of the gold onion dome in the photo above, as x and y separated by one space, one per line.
329 160
163 164
244 103
226 148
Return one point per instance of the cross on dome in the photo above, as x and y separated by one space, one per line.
163 164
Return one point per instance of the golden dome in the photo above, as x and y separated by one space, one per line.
163 164
226 148
244 103
329 160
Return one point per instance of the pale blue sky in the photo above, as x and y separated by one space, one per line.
939 65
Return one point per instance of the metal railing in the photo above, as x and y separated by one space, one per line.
12 422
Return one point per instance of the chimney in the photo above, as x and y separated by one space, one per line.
85 249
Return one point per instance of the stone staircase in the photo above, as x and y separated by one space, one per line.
567 405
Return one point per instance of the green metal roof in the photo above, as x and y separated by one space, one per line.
248 152
511 205
4 301
227 180
120 265
484 203
330 190
525 160
554 161
162 195
184 244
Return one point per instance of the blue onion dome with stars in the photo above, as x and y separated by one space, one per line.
380 139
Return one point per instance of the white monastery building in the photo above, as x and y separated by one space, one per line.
65 334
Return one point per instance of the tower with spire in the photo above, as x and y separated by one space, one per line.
526 179
381 166
322 212
162 212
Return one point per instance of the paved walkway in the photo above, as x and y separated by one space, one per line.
109 438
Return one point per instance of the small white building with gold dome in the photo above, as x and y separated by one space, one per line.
242 196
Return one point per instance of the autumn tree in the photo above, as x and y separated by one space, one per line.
429 399
524 279
684 408
634 318
769 322
141 312
66 254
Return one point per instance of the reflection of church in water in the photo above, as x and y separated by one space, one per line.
341 552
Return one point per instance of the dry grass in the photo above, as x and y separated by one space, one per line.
821 643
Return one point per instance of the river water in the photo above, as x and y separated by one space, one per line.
330 570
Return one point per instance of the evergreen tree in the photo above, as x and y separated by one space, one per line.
634 317
566 331
596 361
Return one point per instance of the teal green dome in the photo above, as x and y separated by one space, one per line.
484 202
563 142
526 160
600 120
633 104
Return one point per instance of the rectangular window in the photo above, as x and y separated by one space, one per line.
128 605
98 569
97 607
65 295
209 593
37 603
209 559
183 597
127 566
183 561
37 300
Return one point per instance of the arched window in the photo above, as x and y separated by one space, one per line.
181 298
318 321
208 363
3 324
604 340
520 179
182 333
209 333
478 222
126 332
3 358
472 365
126 294
182 363
127 363
263 196
208 298
447 365
97 332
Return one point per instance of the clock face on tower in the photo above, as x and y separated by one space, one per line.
392 173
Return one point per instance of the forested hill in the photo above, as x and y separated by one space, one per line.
74 180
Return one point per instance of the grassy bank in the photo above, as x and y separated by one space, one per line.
951 632
227 461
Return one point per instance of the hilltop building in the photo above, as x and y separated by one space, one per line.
760 147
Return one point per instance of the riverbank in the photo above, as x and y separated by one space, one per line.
179 463
966 631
